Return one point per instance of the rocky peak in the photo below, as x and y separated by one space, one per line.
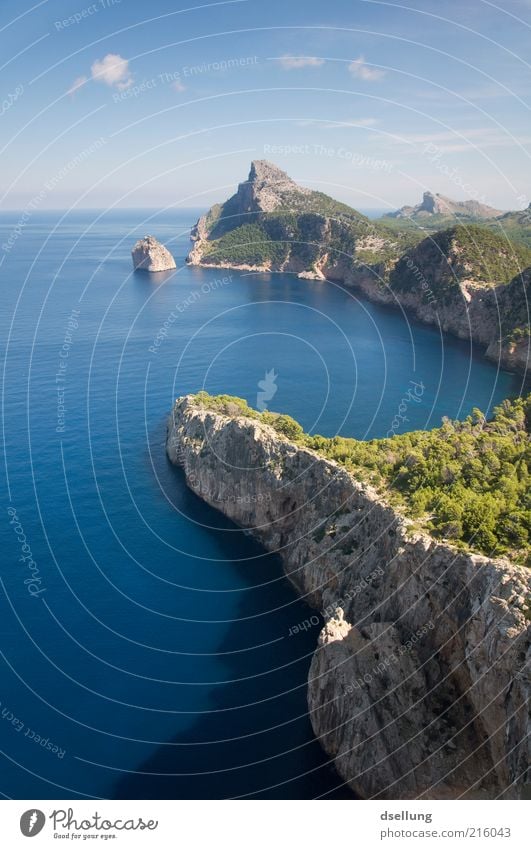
266 188
262 171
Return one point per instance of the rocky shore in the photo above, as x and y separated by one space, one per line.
418 686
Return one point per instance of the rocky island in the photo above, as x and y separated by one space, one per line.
149 255
418 687
471 279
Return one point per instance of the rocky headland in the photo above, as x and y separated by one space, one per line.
418 687
465 278
149 255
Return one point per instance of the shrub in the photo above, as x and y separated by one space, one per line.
466 481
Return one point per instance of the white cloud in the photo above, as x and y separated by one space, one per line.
178 86
359 68
291 62
113 70
78 83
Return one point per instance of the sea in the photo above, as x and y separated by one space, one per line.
148 647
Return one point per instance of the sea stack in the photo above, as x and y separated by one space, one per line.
149 255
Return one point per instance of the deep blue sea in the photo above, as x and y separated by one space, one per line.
155 659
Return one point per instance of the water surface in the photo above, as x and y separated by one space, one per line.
158 657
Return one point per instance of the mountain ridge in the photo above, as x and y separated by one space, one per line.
438 204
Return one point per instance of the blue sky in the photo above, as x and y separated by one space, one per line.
150 105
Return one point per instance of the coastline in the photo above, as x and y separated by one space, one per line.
478 326
459 615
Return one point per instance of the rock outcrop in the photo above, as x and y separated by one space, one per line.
437 204
266 189
418 687
149 255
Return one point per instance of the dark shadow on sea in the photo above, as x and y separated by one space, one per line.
274 755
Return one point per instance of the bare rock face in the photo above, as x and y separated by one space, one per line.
419 685
149 255
266 187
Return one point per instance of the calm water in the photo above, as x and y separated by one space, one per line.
158 658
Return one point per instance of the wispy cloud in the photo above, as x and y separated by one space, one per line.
113 70
470 139
359 68
78 83
289 63
177 85
334 125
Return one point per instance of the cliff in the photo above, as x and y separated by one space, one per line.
455 278
418 686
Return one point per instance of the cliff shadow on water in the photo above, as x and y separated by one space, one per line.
254 736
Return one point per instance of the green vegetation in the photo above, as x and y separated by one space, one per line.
513 226
231 405
317 203
494 258
443 260
429 223
213 215
314 224
303 235
249 244
514 306
467 482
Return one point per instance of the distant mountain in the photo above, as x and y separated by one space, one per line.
436 204
458 277
273 224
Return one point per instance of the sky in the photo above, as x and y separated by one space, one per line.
164 104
